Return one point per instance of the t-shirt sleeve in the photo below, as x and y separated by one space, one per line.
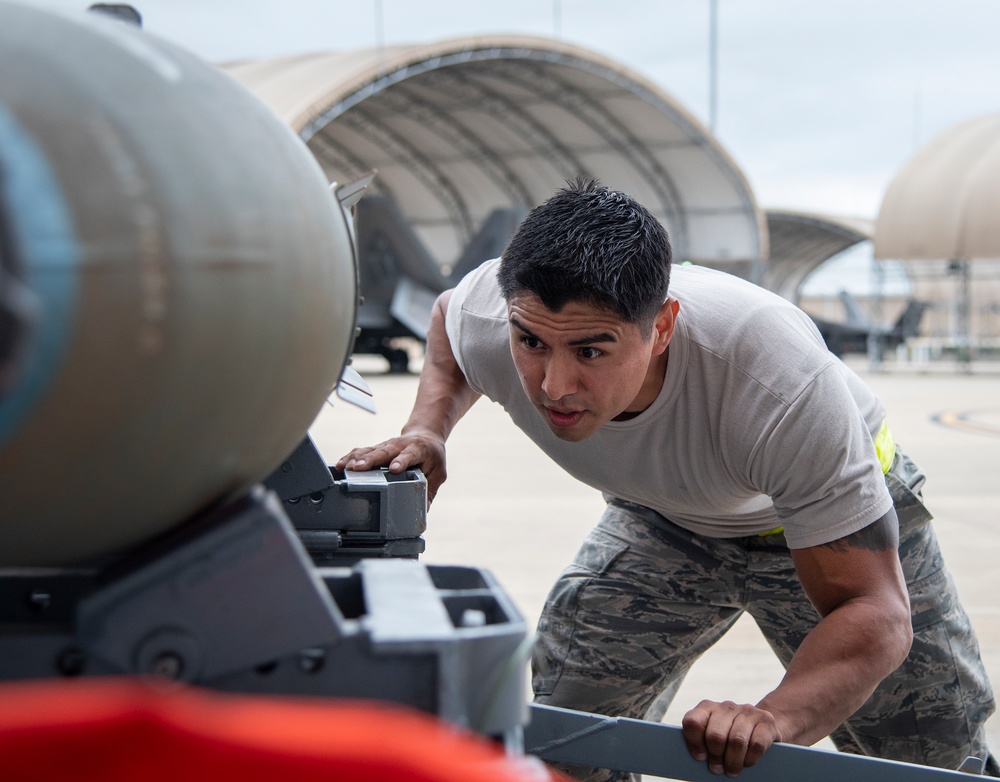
818 464
476 324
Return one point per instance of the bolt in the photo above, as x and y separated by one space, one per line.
473 617
170 665
311 660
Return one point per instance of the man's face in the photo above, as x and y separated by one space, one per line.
583 366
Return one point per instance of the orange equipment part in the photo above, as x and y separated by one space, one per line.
113 730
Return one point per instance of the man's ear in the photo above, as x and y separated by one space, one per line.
663 326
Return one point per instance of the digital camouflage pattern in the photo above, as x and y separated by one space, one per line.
645 598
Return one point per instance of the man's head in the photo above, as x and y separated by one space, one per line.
591 245
585 281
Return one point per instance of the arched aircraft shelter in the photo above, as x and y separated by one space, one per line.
939 216
801 242
459 128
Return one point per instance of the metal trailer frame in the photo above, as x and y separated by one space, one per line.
643 747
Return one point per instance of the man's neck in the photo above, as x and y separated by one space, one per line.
651 387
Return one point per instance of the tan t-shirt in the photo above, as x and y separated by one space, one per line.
757 424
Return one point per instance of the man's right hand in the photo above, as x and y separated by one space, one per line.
443 397
401 453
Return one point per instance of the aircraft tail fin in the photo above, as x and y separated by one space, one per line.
855 315
490 241
908 323
388 246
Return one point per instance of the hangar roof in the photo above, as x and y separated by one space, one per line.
943 203
801 241
461 127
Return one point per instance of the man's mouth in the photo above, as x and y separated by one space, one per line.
561 418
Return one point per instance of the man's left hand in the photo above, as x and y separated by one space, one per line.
729 736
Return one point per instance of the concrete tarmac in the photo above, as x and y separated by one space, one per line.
507 508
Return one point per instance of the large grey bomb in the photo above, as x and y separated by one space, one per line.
193 279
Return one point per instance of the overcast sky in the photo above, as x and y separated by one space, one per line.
820 102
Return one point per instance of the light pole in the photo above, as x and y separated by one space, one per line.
713 63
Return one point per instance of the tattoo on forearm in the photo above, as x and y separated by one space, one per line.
880 535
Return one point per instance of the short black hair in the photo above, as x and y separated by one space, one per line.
590 244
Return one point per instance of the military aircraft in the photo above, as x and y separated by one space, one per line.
852 335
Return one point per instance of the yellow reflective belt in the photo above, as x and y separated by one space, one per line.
885 449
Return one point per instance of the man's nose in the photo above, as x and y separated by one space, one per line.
560 378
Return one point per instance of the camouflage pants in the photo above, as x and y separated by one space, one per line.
645 598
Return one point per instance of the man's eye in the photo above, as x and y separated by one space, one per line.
530 342
589 352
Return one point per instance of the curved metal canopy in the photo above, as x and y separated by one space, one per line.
459 128
801 242
943 203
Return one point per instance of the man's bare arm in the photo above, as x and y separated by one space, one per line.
857 585
443 397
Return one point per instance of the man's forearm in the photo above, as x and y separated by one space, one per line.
837 668
443 394
857 585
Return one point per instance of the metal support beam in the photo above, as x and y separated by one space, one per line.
659 750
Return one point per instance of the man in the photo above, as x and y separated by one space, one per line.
745 469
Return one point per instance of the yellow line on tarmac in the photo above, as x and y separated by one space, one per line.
954 419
